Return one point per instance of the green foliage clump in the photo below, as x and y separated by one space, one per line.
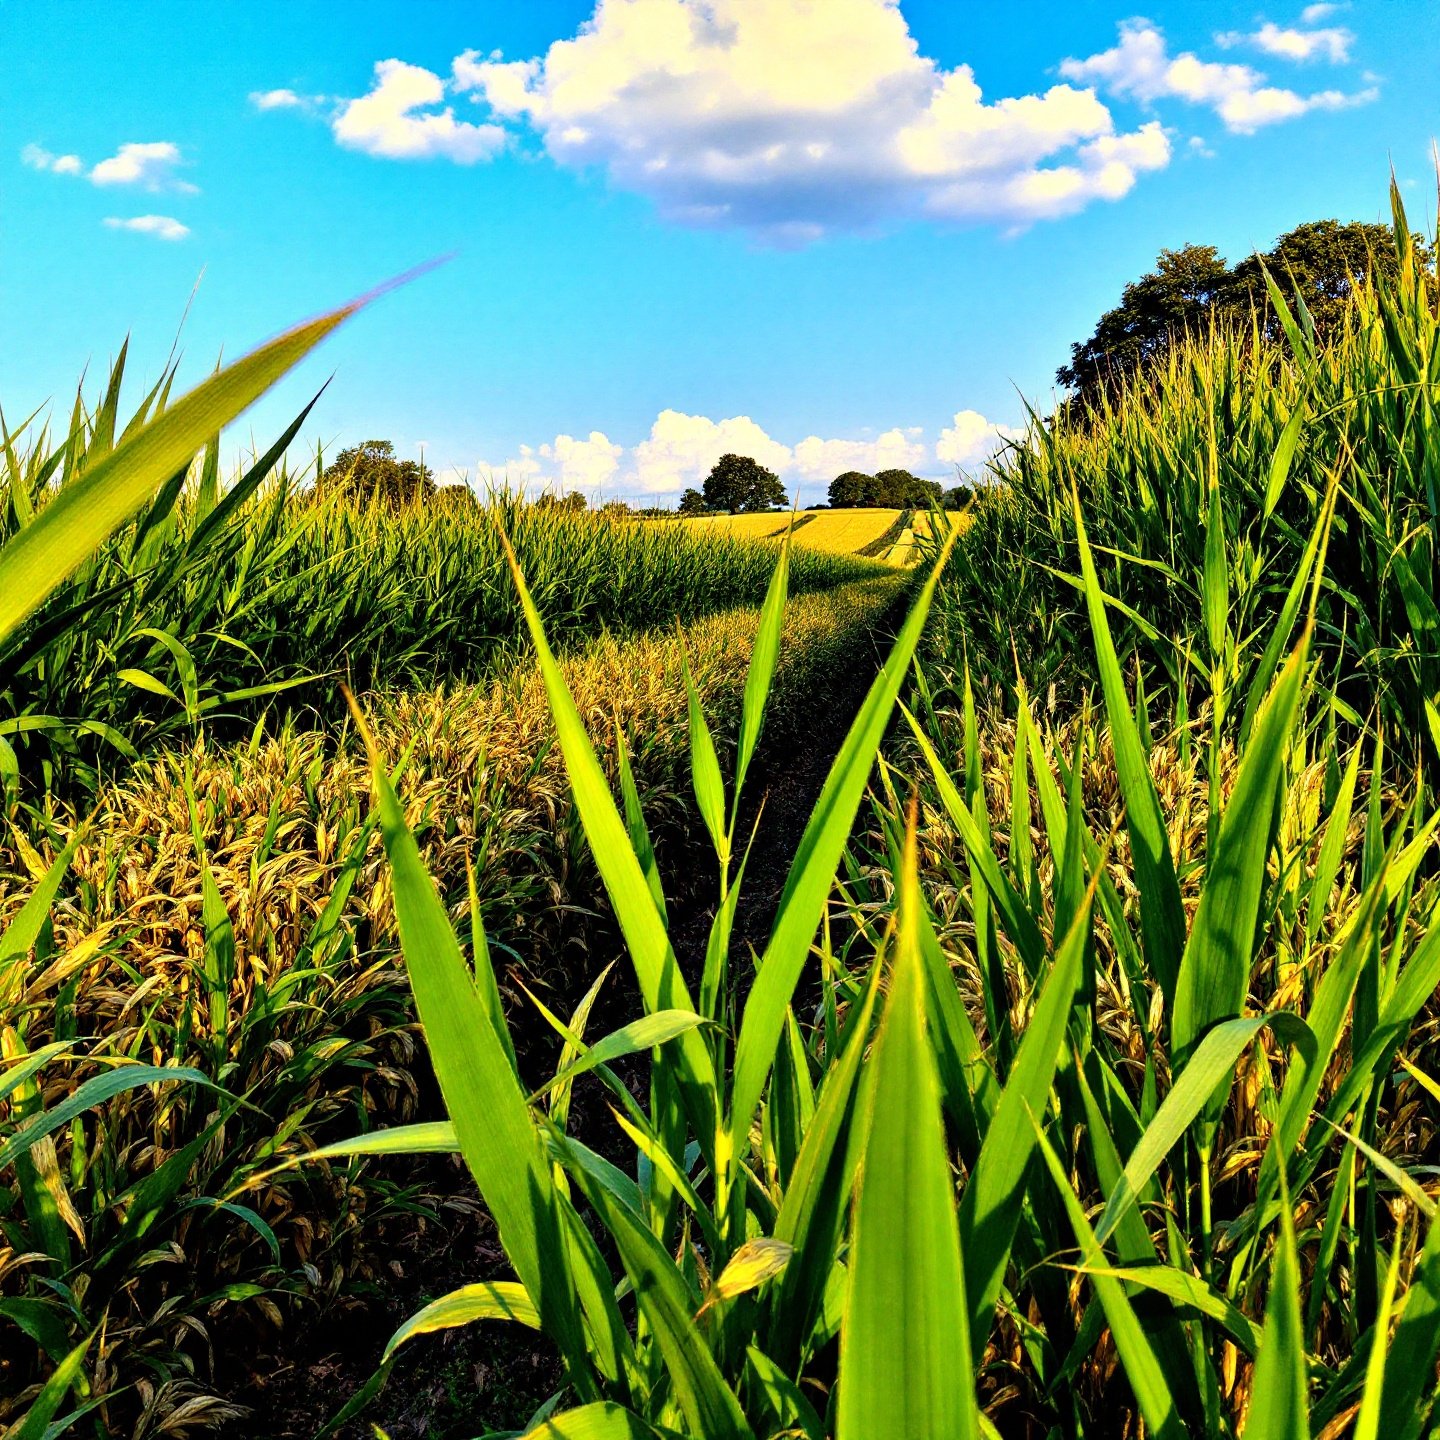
370 473
1193 291
885 490
739 484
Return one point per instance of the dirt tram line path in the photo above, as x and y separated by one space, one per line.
460 1382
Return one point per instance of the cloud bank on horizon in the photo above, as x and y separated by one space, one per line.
680 450
794 119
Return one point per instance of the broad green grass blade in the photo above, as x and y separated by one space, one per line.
990 1207
642 1034
705 769
1280 632
1329 1008
1367 1422
234 498
647 942
1212 1064
1417 983
601 1420
790 1413
1215 972
812 1214
486 985
1162 916
635 821
812 872
23 930
967 1083
85 512
1332 848
905 1360
1279 1394
763 657
1409 1389
1284 456
1193 1293
489 1300
668 1307
14 1076
95 1091
1215 579
1019 925
35 1424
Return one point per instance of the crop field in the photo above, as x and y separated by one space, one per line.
486 970
857 532
924 526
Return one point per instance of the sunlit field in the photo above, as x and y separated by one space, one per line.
483 965
873 533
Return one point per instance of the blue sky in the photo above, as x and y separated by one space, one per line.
832 233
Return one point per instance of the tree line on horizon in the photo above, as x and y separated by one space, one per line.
1190 288
738 484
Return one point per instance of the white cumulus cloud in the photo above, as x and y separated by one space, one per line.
681 449
1141 67
399 120
817 459
149 165
791 118
970 439
162 227
587 464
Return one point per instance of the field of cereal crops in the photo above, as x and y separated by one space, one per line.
860 532
673 909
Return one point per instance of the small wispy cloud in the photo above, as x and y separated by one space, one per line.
39 158
284 99
162 227
1289 43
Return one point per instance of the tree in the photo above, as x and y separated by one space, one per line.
692 502
1193 287
738 482
957 497
456 497
852 488
1180 294
572 501
369 471
1322 260
890 490
900 490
